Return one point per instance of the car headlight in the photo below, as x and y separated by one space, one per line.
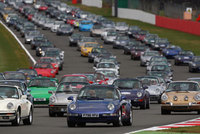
167 52
164 97
52 71
10 105
52 99
156 46
179 58
72 106
139 94
193 64
117 42
157 90
56 65
197 97
111 107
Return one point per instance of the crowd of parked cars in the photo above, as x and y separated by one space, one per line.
100 96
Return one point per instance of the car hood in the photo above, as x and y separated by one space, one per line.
41 92
131 93
95 105
62 98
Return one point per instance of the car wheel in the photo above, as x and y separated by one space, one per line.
118 123
29 120
165 112
144 105
159 101
130 119
89 60
148 104
17 120
70 123
51 114
81 124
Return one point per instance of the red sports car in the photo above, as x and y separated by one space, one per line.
43 8
71 20
44 69
50 60
137 52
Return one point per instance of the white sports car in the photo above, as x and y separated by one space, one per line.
108 66
14 106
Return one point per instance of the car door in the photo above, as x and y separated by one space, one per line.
23 103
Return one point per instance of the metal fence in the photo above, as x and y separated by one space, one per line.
169 8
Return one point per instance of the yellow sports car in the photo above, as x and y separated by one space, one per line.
87 48
181 96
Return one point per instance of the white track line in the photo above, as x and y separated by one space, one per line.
21 44
172 125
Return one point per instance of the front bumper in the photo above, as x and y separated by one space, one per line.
7 116
181 108
58 108
154 97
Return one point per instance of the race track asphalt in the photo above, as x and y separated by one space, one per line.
74 63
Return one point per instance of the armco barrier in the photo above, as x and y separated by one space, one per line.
94 3
191 27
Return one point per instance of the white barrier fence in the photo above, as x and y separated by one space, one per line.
93 3
136 15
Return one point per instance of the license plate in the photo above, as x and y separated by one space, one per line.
39 99
90 115
186 57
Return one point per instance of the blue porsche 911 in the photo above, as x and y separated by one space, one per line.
99 104
85 25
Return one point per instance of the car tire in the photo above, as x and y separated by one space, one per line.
29 120
129 122
70 123
148 104
90 61
144 105
17 120
51 114
165 112
198 112
118 122
81 124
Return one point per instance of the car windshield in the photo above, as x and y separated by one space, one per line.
52 53
8 92
48 60
123 38
140 48
185 53
183 86
15 76
127 84
91 45
98 93
76 36
42 83
108 73
197 59
86 22
158 59
1 77
99 50
112 34
74 79
159 68
106 65
194 79
43 66
97 27
162 41
88 40
28 71
70 87
151 53
149 81
109 60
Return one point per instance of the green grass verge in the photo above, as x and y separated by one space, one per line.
12 56
156 132
184 40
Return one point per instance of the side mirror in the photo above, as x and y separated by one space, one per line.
70 98
123 98
50 92
24 97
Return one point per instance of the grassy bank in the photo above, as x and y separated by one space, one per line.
184 40
11 54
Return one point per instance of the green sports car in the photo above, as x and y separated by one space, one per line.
40 86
